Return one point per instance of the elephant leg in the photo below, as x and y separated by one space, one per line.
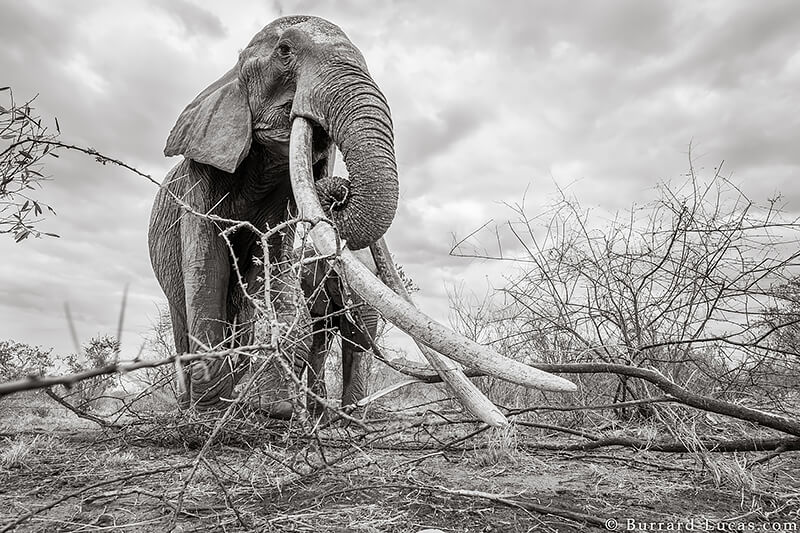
279 393
316 368
206 270
356 357
178 318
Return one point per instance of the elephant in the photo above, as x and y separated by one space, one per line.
334 307
234 138
255 143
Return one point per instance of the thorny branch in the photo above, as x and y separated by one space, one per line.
675 392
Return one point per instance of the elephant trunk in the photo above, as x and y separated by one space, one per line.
357 119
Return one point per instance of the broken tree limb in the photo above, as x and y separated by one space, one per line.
675 391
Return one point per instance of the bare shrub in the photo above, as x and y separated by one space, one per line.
18 360
98 352
159 384
699 284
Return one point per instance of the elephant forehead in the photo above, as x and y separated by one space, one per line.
320 31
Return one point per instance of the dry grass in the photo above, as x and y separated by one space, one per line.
22 453
397 475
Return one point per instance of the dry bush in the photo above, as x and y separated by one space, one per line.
700 284
23 451
100 351
18 360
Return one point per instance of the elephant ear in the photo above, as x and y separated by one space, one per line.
215 128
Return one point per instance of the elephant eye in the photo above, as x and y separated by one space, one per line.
284 50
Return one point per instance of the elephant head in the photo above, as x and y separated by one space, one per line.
302 66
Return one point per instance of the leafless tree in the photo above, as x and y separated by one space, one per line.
699 285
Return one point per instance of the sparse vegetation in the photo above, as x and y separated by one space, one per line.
700 286
97 353
18 360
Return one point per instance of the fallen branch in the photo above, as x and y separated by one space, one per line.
720 446
597 440
521 504
68 380
12 525
80 413
674 391
698 401
595 407
498 498
770 456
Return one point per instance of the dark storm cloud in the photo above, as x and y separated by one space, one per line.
196 22
489 100
743 44
424 136
23 25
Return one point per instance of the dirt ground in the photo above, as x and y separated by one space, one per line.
67 475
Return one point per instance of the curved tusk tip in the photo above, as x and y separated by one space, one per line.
498 421
566 385
554 383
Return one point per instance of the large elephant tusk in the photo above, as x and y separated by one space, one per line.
465 390
391 306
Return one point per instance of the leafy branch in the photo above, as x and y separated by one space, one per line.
24 143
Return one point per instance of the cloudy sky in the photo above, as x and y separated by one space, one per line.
601 98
